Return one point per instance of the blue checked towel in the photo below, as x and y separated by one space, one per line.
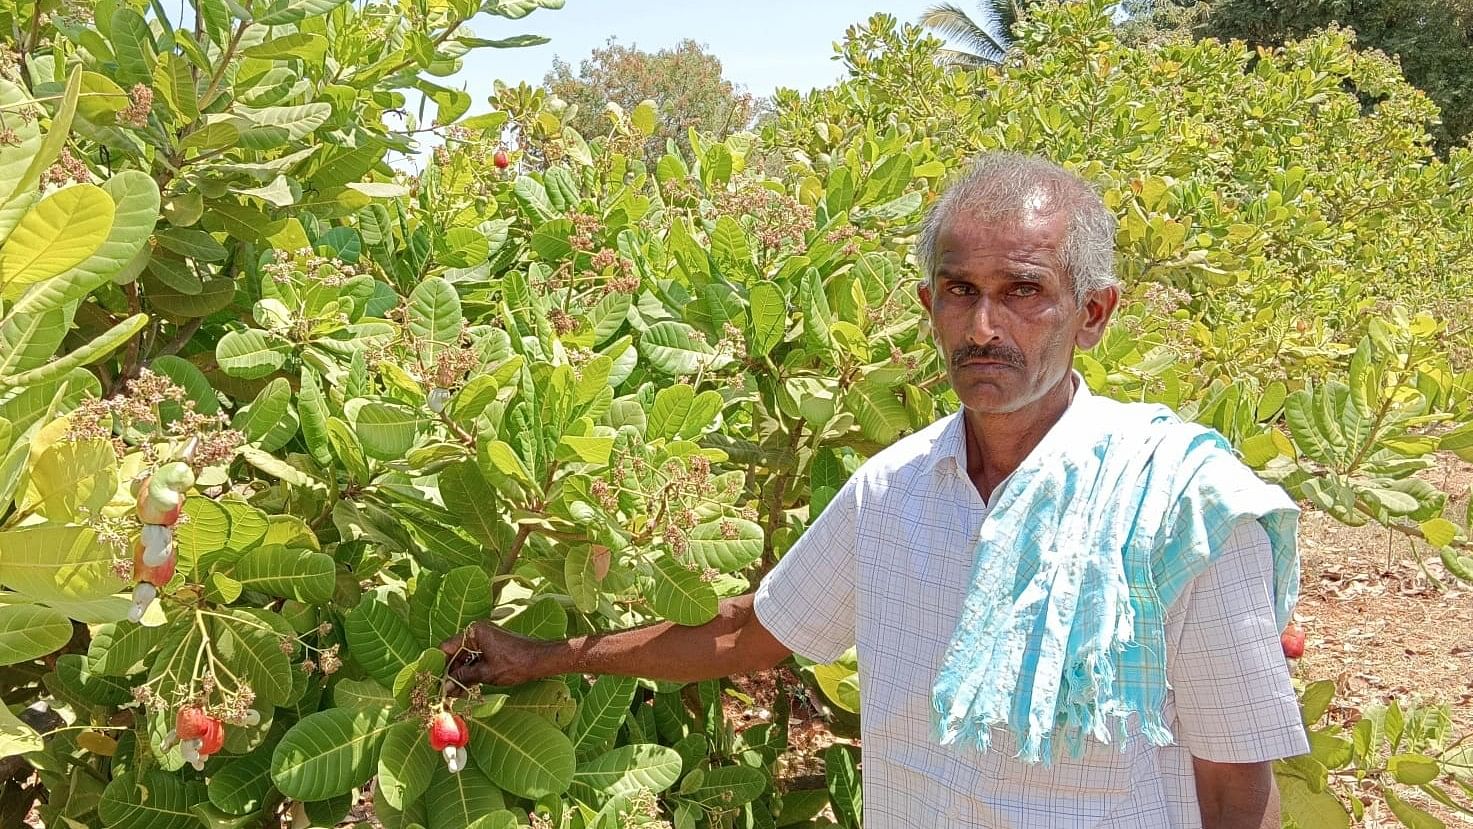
1062 634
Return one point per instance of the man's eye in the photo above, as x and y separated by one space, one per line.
1026 290
960 289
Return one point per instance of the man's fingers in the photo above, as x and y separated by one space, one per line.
468 676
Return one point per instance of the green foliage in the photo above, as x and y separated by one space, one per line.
612 386
1431 41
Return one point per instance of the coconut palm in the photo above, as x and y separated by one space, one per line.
975 44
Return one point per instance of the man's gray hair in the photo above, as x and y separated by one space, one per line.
1001 187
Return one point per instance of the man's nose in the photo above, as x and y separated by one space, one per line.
982 328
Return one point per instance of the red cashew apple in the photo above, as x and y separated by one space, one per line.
157 575
449 735
1292 640
150 577
501 159
200 736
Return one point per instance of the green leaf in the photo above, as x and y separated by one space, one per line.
250 646
1459 442
1413 769
627 770
1316 700
522 753
99 348
549 699
728 544
250 354
15 736
579 576
609 315
434 317
313 412
472 501
880 413
291 574
304 45
387 430
406 764
379 640
667 416
1439 532
330 752
501 458
600 713
275 467
75 479
459 801
159 801
264 414
242 784
680 595
672 348
361 693
462 247
1459 565
186 375
120 648
726 787
272 127
56 235
845 793
136 200
46 562
1413 817
644 117
133 46
30 631
544 619
464 597
592 450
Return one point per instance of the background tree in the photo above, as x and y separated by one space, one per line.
1433 39
685 82
976 43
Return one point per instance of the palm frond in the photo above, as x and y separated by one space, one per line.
958 27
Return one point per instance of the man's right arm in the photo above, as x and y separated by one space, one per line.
734 642
807 600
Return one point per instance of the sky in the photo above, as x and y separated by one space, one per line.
762 44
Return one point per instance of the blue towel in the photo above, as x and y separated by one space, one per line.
1062 633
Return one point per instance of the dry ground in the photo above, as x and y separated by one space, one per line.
1382 629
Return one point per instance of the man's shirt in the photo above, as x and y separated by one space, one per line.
887 566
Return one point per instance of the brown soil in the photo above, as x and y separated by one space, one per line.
1381 628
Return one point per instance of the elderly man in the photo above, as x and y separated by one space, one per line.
1067 609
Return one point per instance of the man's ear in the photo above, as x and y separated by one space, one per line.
923 290
1097 310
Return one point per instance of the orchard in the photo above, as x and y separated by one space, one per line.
277 418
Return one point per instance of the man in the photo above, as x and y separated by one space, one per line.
1066 609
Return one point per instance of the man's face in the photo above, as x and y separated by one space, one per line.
1003 310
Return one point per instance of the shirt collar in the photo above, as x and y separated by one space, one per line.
949 453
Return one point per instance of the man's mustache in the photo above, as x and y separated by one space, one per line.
999 353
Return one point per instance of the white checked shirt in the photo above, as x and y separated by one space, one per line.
886 568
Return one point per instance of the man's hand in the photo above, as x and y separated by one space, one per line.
486 653
732 643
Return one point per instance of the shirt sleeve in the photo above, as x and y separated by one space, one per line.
1234 702
807 601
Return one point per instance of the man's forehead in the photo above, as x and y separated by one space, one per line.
1034 238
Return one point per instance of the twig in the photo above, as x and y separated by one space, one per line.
182 338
